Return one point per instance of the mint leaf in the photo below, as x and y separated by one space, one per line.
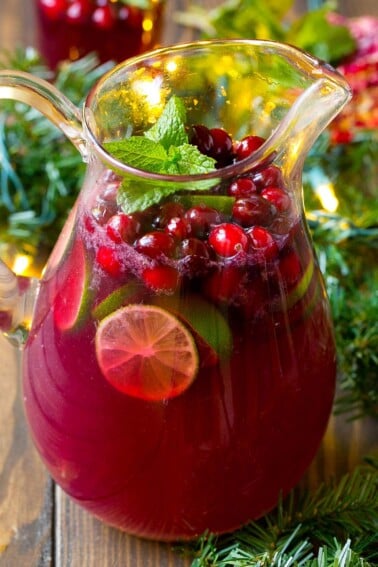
189 160
133 197
169 130
163 149
140 152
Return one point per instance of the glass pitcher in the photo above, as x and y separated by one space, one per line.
179 371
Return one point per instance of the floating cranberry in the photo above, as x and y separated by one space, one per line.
167 212
290 268
108 261
223 285
270 175
242 187
90 224
247 146
122 228
161 278
228 239
103 17
155 243
201 218
195 255
53 9
194 247
262 241
252 210
103 212
222 146
178 227
281 225
278 197
201 137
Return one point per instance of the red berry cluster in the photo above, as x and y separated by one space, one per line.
101 13
201 243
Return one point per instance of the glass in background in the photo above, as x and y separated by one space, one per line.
114 29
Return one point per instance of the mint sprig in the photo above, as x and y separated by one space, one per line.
169 130
163 149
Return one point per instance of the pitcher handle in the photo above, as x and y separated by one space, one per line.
17 294
47 99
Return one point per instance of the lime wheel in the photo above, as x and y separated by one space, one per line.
146 352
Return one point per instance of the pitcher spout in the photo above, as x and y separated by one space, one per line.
310 114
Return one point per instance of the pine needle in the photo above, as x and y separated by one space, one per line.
335 525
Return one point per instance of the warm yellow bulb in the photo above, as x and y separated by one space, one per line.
21 264
171 66
147 24
327 197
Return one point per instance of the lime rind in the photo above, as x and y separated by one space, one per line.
300 289
115 300
71 306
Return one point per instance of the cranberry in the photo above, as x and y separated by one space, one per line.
109 194
107 259
228 239
201 137
167 212
155 243
194 253
194 247
270 175
103 17
290 268
178 227
122 228
252 210
242 187
53 9
247 146
263 241
201 218
78 11
222 146
161 278
103 212
278 197
89 223
281 225
223 284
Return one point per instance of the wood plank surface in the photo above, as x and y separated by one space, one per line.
39 525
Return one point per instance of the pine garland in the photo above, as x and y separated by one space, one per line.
337 524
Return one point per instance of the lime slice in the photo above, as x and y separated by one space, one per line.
300 289
71 304
146 352
122 295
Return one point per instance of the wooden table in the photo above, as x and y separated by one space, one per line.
39 525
